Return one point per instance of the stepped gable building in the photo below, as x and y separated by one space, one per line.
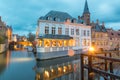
99 32
114 39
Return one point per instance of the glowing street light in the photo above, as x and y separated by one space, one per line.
91 49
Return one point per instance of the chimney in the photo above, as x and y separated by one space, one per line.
103 24
97 21
79 17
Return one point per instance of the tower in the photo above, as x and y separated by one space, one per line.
86 14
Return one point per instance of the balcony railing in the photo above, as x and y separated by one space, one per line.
51 49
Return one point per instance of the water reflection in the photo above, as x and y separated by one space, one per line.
64 68
21 65
17 65
4 61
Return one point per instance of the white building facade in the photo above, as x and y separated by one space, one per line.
52 24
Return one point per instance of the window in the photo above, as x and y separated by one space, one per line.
67 31
77 31
72 31
112 34
46 30
59 30
53 30
84 33
81 32
88 33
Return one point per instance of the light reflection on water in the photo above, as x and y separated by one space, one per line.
21 59
17 65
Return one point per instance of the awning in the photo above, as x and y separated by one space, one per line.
51 36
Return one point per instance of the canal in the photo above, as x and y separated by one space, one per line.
23 65
17 65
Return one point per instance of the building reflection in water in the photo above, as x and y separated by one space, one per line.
4 60
64 68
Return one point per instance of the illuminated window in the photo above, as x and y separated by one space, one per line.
37 77
88 42
67 31
65 43
69 67
54 44
84 42
64 69
40 43
53 72
59 30
60 43
70 43
53 30
46 75
46 30
60 70
46 43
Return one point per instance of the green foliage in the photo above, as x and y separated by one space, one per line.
31 37
2 39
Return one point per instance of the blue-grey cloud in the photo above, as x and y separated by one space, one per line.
23 14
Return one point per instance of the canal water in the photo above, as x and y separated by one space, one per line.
23 65
17 65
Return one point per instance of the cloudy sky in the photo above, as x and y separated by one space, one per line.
22 15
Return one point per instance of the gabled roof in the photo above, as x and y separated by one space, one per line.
61 16
99 28
86 9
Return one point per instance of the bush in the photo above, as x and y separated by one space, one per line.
2 39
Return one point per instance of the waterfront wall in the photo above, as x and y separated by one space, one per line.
2 47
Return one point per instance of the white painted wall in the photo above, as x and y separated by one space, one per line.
79 38
2 48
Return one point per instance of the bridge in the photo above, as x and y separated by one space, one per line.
24 43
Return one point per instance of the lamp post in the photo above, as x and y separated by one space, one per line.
90 73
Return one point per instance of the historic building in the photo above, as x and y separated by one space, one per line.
99 32
114 39
59 31
5 30
5 35
59 36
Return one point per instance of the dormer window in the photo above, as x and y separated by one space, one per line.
68 20
56 19
49 18
73 21
112 34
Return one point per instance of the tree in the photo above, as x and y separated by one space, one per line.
31 37
3 39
